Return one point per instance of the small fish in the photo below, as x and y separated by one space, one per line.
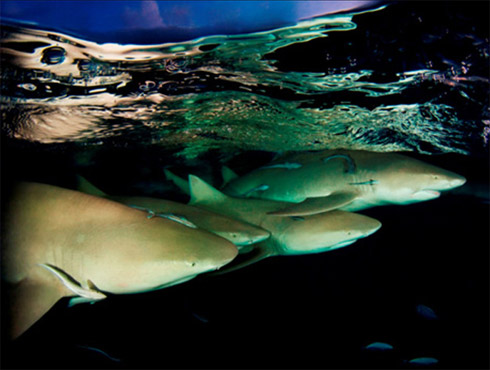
151 213
90 291
426 312
379 346
351 165
297 218
368 182
200 318
424 361
286 165
177 218
105 354
80 300
258 188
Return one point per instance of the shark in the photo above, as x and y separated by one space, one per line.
59 243
350 180
289 235
238 232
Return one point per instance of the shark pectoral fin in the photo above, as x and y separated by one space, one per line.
27 302
181 183
258 253
228 175
312 206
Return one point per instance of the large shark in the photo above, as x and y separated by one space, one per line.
343 179
238 232
58 242
289 235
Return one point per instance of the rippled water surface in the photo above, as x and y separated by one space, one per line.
393 78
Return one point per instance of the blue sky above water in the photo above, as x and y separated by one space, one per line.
196 18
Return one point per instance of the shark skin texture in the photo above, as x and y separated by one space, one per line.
238 232
342 179
289 235
62 243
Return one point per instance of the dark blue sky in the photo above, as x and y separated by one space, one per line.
96 18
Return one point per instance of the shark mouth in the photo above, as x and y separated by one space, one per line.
434 193
427 193
343 244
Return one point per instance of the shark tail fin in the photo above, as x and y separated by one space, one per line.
182 184
228 175
258 253
87 187
202 192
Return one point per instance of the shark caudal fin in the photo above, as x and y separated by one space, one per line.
182 184
201 192
228 175
85 186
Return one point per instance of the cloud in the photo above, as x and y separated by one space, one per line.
146 17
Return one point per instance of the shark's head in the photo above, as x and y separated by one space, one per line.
325 231
156 252
406 180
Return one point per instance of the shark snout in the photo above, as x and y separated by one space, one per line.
458 180
370 226
259 237
219 255
447 180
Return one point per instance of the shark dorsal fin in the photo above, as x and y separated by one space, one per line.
228 175
182 184
202 192
85 186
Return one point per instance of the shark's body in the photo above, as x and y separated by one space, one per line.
289 235
238 232
343 179
55 241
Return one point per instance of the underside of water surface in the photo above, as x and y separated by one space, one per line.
397 77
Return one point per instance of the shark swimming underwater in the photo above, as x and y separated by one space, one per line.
238 232
59 243
343 179
289 235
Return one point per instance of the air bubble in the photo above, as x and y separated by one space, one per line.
147 86
84 65
27 86
175 65
53 55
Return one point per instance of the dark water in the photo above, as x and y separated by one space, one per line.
410 77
